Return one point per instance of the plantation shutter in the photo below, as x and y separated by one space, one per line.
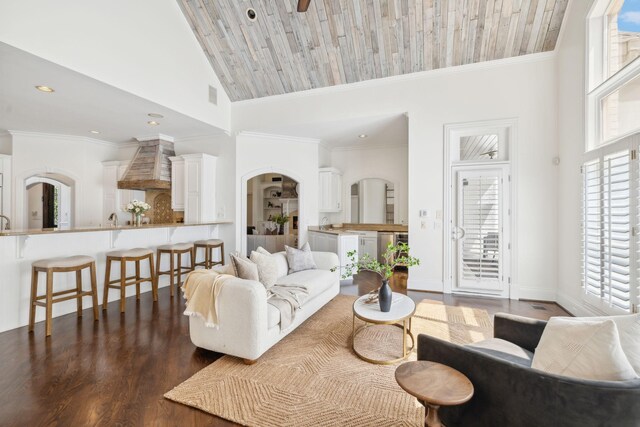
607 229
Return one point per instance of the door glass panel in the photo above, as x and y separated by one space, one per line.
479 147
620 110
623 34
480 220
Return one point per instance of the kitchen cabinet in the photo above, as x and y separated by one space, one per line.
198 187
330 186
339 244
5 185
177 183
367 243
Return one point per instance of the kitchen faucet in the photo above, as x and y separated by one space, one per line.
113 218
8 226
324 222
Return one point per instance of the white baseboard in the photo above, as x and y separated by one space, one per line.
577 307
538 294
425 285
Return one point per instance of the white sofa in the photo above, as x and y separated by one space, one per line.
248 325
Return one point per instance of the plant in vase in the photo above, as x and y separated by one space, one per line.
394 255
137 209
281 220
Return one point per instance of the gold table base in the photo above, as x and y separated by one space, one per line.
368 323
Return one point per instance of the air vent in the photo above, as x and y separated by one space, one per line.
539 307
213 95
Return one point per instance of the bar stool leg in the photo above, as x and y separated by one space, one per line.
171 267
154 279
107 279
49 302
222 253
193 259
79 290
138 279
179 271
207 257
123 280
34 294
94 290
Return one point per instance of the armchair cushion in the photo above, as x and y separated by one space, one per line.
504 350
582 349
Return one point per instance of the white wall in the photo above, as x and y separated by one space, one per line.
571 134
389 163
144 47
77 158
5 144
295 157
524 88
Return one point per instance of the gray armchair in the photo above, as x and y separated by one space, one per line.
508 392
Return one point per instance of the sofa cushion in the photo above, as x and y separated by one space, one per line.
244 268
273 316
629 333
504 350
300 259
317 281
281 263
582 349
224 269
267 267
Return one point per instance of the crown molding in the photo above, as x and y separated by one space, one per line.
369 147
376 83
154 136
286 138
71 138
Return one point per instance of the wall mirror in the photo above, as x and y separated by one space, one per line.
373 201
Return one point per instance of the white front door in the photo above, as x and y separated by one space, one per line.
480 230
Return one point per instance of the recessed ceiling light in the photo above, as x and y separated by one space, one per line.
155 115
362 135
46 89
153 123
95 131
251 14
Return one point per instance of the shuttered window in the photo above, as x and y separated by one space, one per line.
609 187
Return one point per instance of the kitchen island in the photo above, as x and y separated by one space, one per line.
20 248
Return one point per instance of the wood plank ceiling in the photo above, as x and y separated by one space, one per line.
346 41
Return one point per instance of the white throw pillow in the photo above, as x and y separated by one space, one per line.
582 349
629 333
267 267
300 259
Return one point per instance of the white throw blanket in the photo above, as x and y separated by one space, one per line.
287 299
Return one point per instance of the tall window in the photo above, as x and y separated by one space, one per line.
611 176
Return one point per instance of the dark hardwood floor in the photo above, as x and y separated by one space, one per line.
115 371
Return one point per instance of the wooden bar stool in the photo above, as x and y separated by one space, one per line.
61 265
209 246
175 250
123 257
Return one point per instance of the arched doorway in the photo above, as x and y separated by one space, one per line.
49 201
272 212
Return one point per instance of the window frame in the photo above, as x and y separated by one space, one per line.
598 84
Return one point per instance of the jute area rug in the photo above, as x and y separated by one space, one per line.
313 378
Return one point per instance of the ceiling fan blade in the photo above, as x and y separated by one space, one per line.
303 5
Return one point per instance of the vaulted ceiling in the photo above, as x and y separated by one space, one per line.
346 41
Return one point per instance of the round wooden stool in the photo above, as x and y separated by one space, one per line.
61 265
176 250
123 257
209 246
434 385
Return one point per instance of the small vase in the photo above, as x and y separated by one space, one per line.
137 219
385 295
281 229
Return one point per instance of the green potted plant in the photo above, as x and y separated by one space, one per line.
393 256
281 220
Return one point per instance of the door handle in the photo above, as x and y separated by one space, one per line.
455 233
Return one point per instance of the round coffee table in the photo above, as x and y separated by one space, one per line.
402 308
434 385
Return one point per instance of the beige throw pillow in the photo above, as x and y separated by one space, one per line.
629 333
225 269
582 349
244 268
300 259
267 267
